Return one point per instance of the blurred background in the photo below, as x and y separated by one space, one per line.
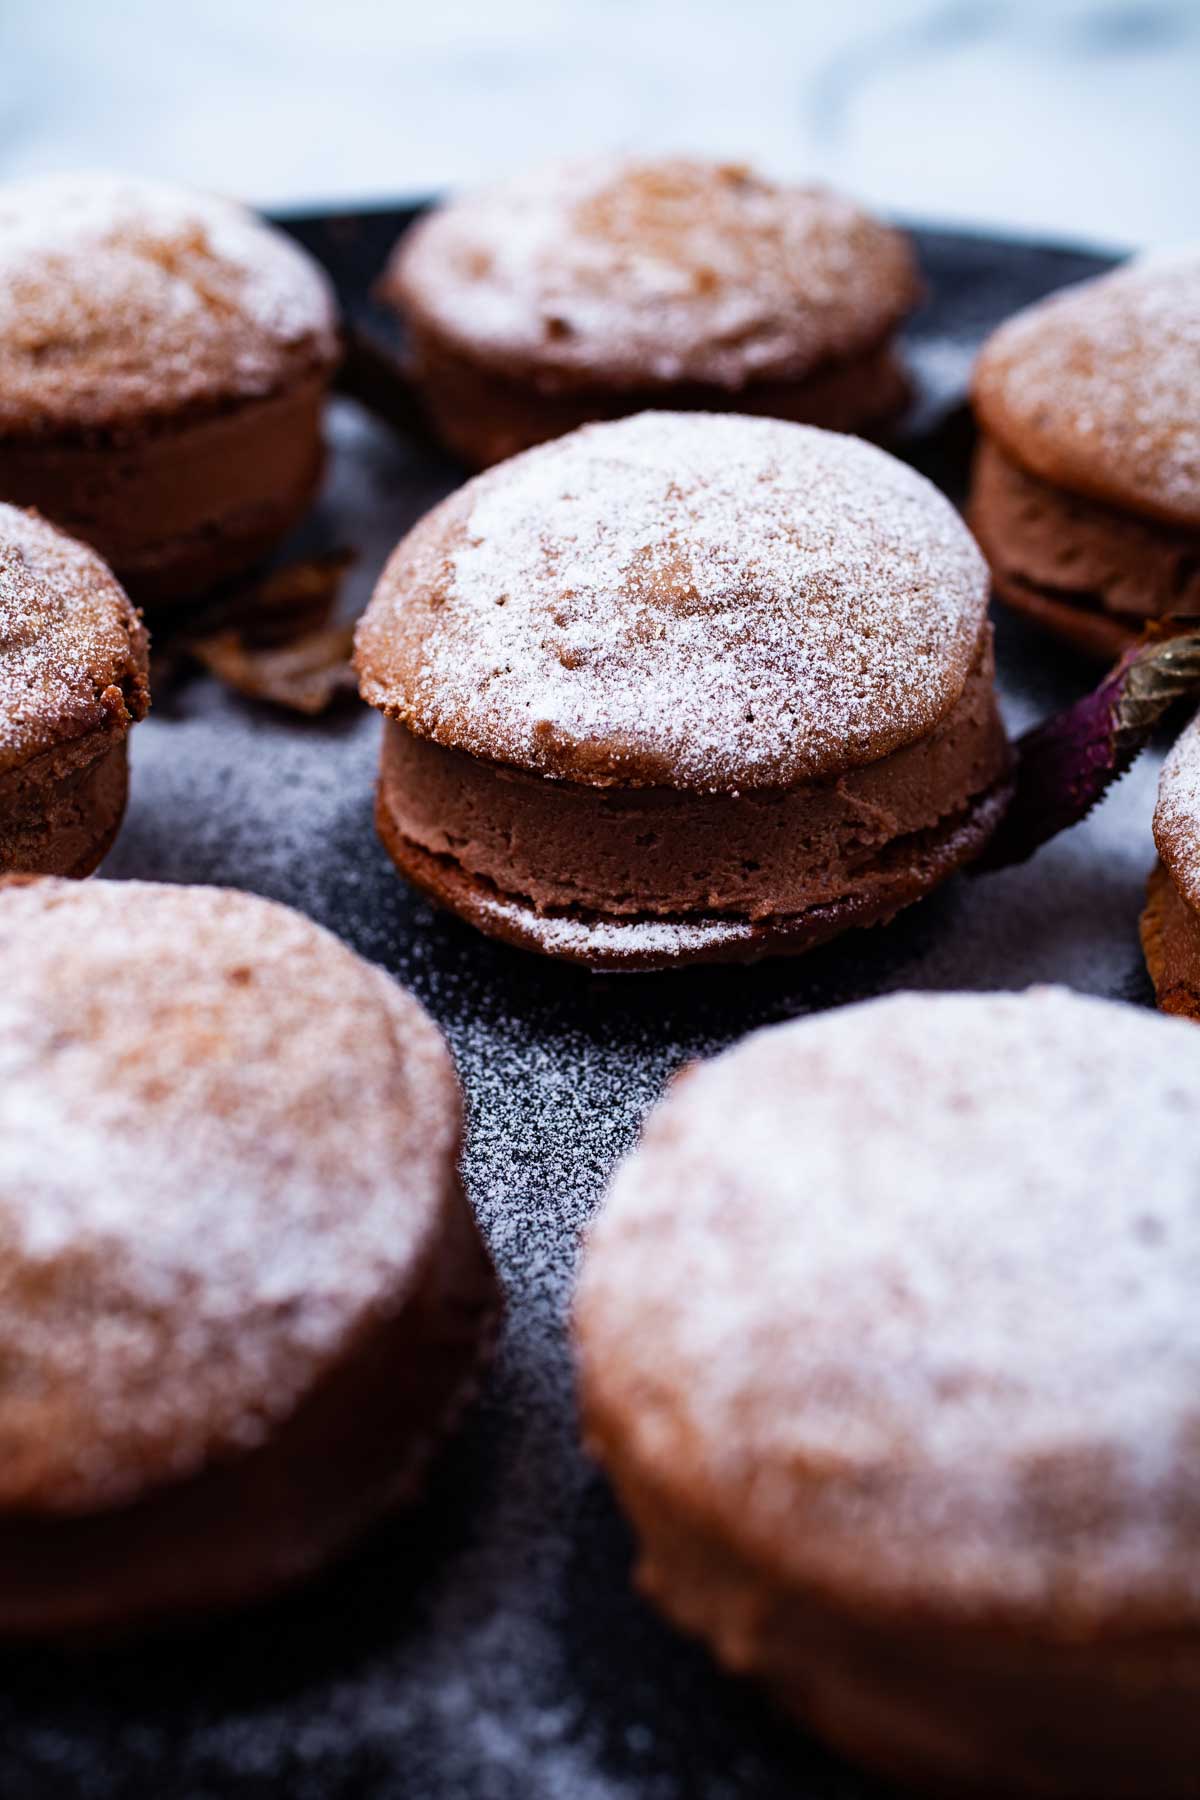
1074 119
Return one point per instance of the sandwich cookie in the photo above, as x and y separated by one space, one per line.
685 687
164 359
1086 490
888 1339
73 682
244 1297
587 291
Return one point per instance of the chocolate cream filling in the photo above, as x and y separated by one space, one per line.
487 416
638 853
174 509
1052 549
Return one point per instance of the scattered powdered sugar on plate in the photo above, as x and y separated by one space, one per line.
222 1145
121 296
696 600
949 1252
647 272
559 934
1100 386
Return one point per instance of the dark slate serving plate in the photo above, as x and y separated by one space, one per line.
488 1646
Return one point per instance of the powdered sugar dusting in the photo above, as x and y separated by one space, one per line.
706 601
67 633
1177 813
223 1143
493 1646
121 296
647 272
945 1250
1100 386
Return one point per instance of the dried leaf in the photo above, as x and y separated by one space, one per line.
274 641
1065 765
305 675
289 602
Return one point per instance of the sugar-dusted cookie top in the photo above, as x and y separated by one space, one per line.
73 653
125 301
650 272
1097 389
225 1149
702 601
902 1298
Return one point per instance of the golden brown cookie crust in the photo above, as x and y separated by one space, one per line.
635 274
709 602
1097 389
960 1541
214 1397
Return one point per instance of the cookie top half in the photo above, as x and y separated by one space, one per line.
226 1146
902 1299
73 653
125 303
700 601
627 272
1097 389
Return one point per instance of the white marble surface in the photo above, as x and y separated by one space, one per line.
1073 118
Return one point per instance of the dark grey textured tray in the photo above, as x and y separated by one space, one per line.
488 1646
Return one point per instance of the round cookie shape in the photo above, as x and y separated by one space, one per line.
73 681
243 1293
124 300
1097 389
710 602
887 1338
653 273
